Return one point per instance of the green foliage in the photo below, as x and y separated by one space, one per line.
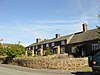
12 50
48 52
2 51
29 52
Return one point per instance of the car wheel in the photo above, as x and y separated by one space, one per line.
94 70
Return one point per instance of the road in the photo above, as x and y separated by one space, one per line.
17 70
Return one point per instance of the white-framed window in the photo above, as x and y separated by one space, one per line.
47 45
36 47
33 47
95 46
41 46
29 48
63 42
73 50
62 50
53 44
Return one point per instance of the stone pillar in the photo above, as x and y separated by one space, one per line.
41 51
58 49
26 54
32 52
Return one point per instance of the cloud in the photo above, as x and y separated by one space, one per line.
45 29
48 31
56 21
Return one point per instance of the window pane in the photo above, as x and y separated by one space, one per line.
53 44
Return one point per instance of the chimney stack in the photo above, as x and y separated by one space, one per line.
1 41
38 40
85 28
58 35
19 42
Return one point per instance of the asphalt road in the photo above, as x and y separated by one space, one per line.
16 70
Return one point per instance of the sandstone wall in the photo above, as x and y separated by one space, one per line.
45 63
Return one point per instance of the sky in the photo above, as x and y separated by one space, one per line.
26 20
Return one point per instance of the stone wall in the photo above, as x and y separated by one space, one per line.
50 63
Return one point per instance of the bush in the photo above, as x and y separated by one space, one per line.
48 52
13 50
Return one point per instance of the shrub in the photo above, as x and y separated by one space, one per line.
48 52
13 50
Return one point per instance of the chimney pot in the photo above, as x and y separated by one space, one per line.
38 40
19 42
1 41
58 35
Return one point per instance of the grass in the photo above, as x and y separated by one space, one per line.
88 69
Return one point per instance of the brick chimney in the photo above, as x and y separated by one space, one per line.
58 35
38 40
85 28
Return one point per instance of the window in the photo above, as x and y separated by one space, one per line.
47 45
36 47
62 42
41 46
53 44
73 50
62 50
95 46
29 48
33 48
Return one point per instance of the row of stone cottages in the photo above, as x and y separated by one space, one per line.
79 44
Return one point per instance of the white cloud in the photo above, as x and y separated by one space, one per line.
44 29
56 21
48 31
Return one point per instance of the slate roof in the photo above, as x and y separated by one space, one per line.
52 40
77 37
84 36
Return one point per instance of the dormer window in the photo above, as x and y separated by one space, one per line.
53 44
47 45
63 42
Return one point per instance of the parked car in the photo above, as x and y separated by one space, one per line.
94 62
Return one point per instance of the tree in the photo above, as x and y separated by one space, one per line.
15 50
12 50
2 50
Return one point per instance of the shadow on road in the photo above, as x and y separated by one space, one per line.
86 73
